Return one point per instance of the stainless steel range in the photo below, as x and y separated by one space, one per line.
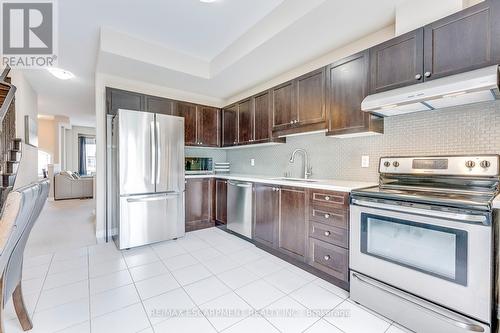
422 242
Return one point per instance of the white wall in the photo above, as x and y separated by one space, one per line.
26 104
71 161
47 136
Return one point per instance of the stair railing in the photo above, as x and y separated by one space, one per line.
4 108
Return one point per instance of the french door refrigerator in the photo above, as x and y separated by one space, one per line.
150 178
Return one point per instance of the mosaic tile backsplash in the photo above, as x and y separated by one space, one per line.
472 129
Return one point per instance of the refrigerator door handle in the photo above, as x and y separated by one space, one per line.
153 152
158 154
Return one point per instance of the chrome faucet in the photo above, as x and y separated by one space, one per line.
307 168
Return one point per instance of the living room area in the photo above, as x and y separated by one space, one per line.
67 157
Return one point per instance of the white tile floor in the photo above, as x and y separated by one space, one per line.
209 281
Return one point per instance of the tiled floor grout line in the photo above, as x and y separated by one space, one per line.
41 289
192 300
114 288
212 275
223 254
88 286
256 311
142 304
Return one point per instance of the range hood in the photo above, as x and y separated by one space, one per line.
471 87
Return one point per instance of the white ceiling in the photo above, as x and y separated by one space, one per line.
216 49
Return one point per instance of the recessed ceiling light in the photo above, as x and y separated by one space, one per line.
61 73
208 1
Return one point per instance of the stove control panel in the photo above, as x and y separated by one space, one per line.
480 165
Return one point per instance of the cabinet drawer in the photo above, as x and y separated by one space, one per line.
329 234
328 215
328 258
338 199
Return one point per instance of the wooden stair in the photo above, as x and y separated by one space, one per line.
10 147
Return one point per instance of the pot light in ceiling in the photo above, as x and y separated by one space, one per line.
208 1
61 73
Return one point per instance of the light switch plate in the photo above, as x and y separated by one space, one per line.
365 161
252 161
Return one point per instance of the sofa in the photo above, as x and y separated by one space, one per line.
69 185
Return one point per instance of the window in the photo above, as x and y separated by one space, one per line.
44 159
86 155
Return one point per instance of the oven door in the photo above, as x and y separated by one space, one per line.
443 257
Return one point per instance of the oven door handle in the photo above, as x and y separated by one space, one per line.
471 327
476 219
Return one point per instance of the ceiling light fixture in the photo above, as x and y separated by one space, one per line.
207 1
61 73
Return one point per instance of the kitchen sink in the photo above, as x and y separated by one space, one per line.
299 180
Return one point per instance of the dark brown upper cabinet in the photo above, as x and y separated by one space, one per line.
310 92
398 62
159 105
283 106
230 126
292 229
201 124
208 126
262 124
249 121
467 40
299 105
245 121
188 112
121 99
464 41
267 202
347 86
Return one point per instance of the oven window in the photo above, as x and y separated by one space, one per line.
430 249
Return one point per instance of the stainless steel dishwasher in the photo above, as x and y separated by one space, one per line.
240 207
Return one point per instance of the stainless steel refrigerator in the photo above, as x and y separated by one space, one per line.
148 169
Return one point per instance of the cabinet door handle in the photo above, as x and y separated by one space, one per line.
428 74
327 233
418 76
327 257
327 198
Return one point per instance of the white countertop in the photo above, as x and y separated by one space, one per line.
323 184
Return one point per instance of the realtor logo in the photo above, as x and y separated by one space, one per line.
28 33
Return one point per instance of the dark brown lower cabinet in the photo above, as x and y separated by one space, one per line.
221 201
198 197
329 258
329 235
292 228
267 202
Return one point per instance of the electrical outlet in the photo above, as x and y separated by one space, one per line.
365 161
252 161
